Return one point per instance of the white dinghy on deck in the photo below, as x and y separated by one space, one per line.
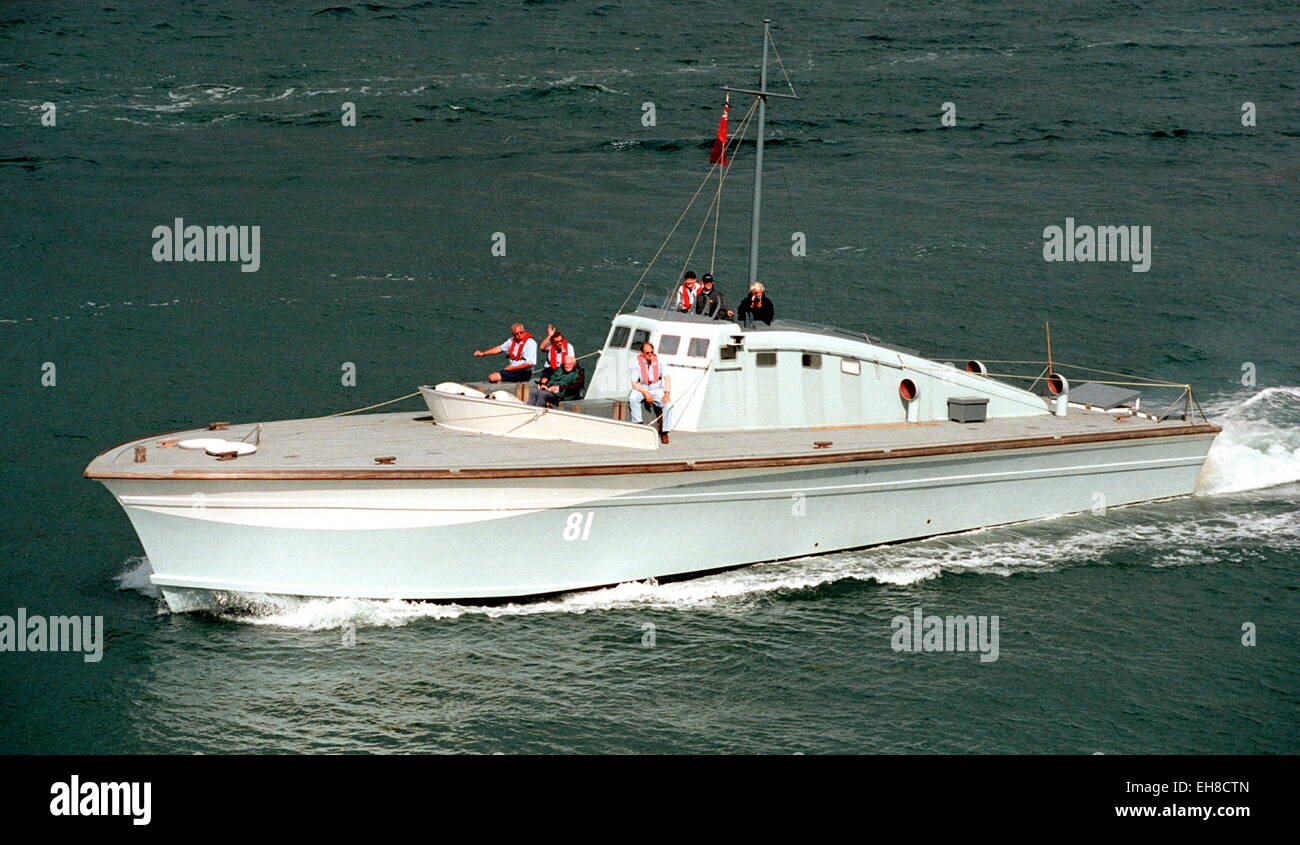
463 408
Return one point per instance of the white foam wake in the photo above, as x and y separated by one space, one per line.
1260 443
136 577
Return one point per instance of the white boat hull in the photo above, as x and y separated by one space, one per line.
499 538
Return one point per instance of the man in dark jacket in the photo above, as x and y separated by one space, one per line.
709 300
755 306
565 385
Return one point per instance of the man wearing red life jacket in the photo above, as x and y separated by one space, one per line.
557 348
687 291
650 384
521 352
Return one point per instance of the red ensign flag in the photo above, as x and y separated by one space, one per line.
719 153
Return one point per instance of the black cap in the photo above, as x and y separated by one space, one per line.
708 279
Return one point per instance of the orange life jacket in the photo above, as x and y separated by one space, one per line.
556 353
515 352
645 371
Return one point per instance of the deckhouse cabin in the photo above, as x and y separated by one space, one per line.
791 374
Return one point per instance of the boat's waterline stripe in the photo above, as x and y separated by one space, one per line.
237 502
679 466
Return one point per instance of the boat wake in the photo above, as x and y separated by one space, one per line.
1260 443
136 577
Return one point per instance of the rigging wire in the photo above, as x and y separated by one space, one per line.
772 41
691 254
735 149
717 218
683 216
716 206
1060 364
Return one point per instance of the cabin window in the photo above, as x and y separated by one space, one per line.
728 352
812 360
851 366
699 347
668 344
619 338
641 336
766 359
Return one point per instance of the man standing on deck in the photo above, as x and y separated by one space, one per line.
521 354
650 384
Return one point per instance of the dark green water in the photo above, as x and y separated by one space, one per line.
1120 632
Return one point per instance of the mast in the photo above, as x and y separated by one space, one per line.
758 160
762 94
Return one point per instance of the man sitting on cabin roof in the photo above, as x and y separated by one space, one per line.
521 352
756 306
650 384
566 385
709 300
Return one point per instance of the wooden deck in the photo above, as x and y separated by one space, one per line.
347 448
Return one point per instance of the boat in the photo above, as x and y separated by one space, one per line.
819 438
